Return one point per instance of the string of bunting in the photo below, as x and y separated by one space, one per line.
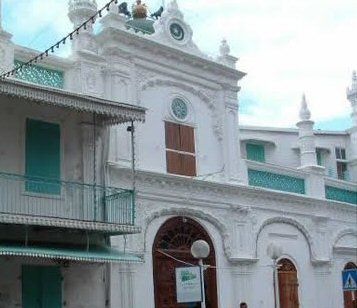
57 45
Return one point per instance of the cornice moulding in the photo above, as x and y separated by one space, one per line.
164 180
147 43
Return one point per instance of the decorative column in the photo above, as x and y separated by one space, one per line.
315 185
122 286
306 136
231 139
6 48
235 169
352 97
322 273
242 284
80 11
225 58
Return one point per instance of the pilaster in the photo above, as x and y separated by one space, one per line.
235 169
122 286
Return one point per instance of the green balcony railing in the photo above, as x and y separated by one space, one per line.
276 181
342 195
23 195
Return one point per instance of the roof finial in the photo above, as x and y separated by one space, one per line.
305 113
224 49
354 80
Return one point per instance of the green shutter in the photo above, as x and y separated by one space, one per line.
255 152
42 157
31 287
41 287
319 157
51 287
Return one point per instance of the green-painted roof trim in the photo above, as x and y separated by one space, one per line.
143 25
98 255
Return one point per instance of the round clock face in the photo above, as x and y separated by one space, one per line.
177 32
179 108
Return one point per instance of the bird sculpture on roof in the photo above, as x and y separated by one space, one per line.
158 13
123 9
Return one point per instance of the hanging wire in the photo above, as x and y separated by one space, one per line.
51 49
206 266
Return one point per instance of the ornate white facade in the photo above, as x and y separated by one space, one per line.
304 203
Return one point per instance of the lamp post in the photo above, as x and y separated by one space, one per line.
275 251
200 250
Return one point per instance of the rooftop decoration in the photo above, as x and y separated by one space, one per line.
305 114
140 10
81 27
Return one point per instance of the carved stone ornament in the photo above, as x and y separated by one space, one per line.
206 96
171 29
195 214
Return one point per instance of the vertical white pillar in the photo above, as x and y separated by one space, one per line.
352 97
6 48
242 282
315 185
323 283
122 286
235 168
306 137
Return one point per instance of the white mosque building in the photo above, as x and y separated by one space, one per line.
113 161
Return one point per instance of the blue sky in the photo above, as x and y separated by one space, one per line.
287 47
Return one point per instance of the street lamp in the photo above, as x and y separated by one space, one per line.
275 251
200 250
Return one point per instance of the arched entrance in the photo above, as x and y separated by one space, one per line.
288 284
175 238
350 297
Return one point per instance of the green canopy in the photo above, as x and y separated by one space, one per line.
97 255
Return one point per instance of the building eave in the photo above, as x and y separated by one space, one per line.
112 112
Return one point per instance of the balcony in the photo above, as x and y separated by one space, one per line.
46 202
276 177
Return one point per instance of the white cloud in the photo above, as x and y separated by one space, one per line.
286 46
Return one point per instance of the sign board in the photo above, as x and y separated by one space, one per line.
188 284
349 280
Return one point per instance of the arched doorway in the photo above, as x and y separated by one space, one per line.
175 238
350 297
288 284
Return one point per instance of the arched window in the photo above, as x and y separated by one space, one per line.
288 284
175 238
350 297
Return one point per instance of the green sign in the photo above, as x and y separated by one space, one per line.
188 284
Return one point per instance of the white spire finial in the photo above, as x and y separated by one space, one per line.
354 81
224 49
305 113
0 14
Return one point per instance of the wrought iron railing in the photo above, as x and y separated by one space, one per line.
23 195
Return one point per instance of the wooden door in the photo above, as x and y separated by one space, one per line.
288 284
350 297
175 238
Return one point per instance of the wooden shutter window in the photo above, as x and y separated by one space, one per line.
188 165
187 139
172 136
173 160
180 149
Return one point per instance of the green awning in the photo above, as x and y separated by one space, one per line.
97 255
